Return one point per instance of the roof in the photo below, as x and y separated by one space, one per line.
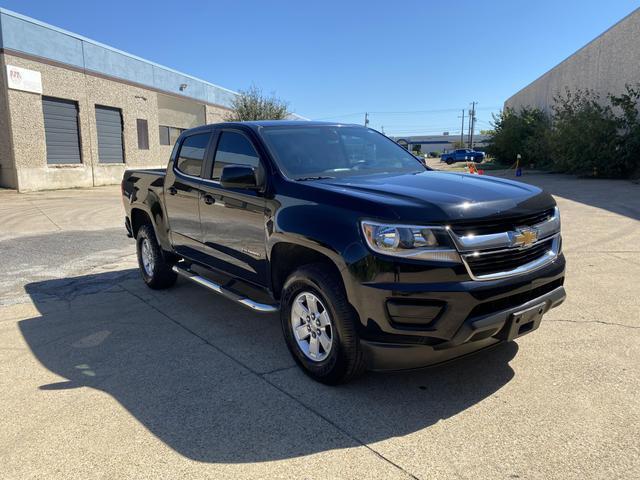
295 123
23 34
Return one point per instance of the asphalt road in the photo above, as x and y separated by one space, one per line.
104 378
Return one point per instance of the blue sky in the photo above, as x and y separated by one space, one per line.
414 65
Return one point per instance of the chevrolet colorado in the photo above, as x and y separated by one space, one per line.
373 260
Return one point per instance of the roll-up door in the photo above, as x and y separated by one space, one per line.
109 126
61 130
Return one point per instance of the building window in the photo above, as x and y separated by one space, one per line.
191 154
143 134
169 135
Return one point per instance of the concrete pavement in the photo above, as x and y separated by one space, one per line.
102 377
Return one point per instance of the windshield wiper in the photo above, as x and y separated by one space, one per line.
304 179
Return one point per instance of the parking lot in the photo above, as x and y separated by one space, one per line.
102 377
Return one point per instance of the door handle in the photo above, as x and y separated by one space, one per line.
172 190
209 200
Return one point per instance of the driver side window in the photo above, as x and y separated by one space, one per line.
234 149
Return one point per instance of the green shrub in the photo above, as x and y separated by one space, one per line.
583 139
628 147
585 134
525 132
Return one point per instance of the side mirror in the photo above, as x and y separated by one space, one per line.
239 176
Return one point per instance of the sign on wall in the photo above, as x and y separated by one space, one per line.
22 79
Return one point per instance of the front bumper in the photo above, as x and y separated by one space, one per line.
476 334
415 315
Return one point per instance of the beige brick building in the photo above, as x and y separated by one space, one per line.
605 65
75 113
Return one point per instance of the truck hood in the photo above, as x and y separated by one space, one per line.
443 196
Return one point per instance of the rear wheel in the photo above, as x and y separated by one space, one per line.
155 267
449 161
319 325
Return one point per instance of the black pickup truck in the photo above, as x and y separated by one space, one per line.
373 260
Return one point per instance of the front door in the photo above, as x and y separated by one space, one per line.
182 194
233 220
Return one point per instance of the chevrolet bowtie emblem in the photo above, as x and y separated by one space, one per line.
524 237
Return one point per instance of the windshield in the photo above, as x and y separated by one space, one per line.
334 151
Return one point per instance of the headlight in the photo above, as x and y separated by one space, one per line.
410 241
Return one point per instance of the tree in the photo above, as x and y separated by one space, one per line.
252 104
524 132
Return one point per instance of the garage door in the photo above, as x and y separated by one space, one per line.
61 130
109 126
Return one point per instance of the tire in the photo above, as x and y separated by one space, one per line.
345 359
449 161
157 273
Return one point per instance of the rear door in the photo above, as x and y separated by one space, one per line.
183 185
233 220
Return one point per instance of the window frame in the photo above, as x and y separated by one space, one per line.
205 159
168 134
145 144
214 149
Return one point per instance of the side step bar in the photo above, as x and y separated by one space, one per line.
214 287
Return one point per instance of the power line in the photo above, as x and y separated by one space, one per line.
404 112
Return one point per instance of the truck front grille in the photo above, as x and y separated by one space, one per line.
485 227
489 263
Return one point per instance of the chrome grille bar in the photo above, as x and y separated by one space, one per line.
508 247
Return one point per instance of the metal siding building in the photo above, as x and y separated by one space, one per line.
604 65
77 113
439 143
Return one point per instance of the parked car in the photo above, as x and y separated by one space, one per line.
462 155
373 260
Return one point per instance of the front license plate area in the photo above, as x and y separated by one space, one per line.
523 322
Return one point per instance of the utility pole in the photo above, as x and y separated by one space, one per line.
382 128
472 122
366 119
462 129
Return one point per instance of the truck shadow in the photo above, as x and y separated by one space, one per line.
215 383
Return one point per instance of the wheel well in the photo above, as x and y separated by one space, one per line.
138 218
288 257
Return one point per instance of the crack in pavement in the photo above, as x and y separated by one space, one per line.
601 322
266 380
32 202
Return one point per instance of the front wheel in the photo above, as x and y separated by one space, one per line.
154 267
319 325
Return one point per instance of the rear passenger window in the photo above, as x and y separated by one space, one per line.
234 149
192 153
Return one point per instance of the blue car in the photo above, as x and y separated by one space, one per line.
462 155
